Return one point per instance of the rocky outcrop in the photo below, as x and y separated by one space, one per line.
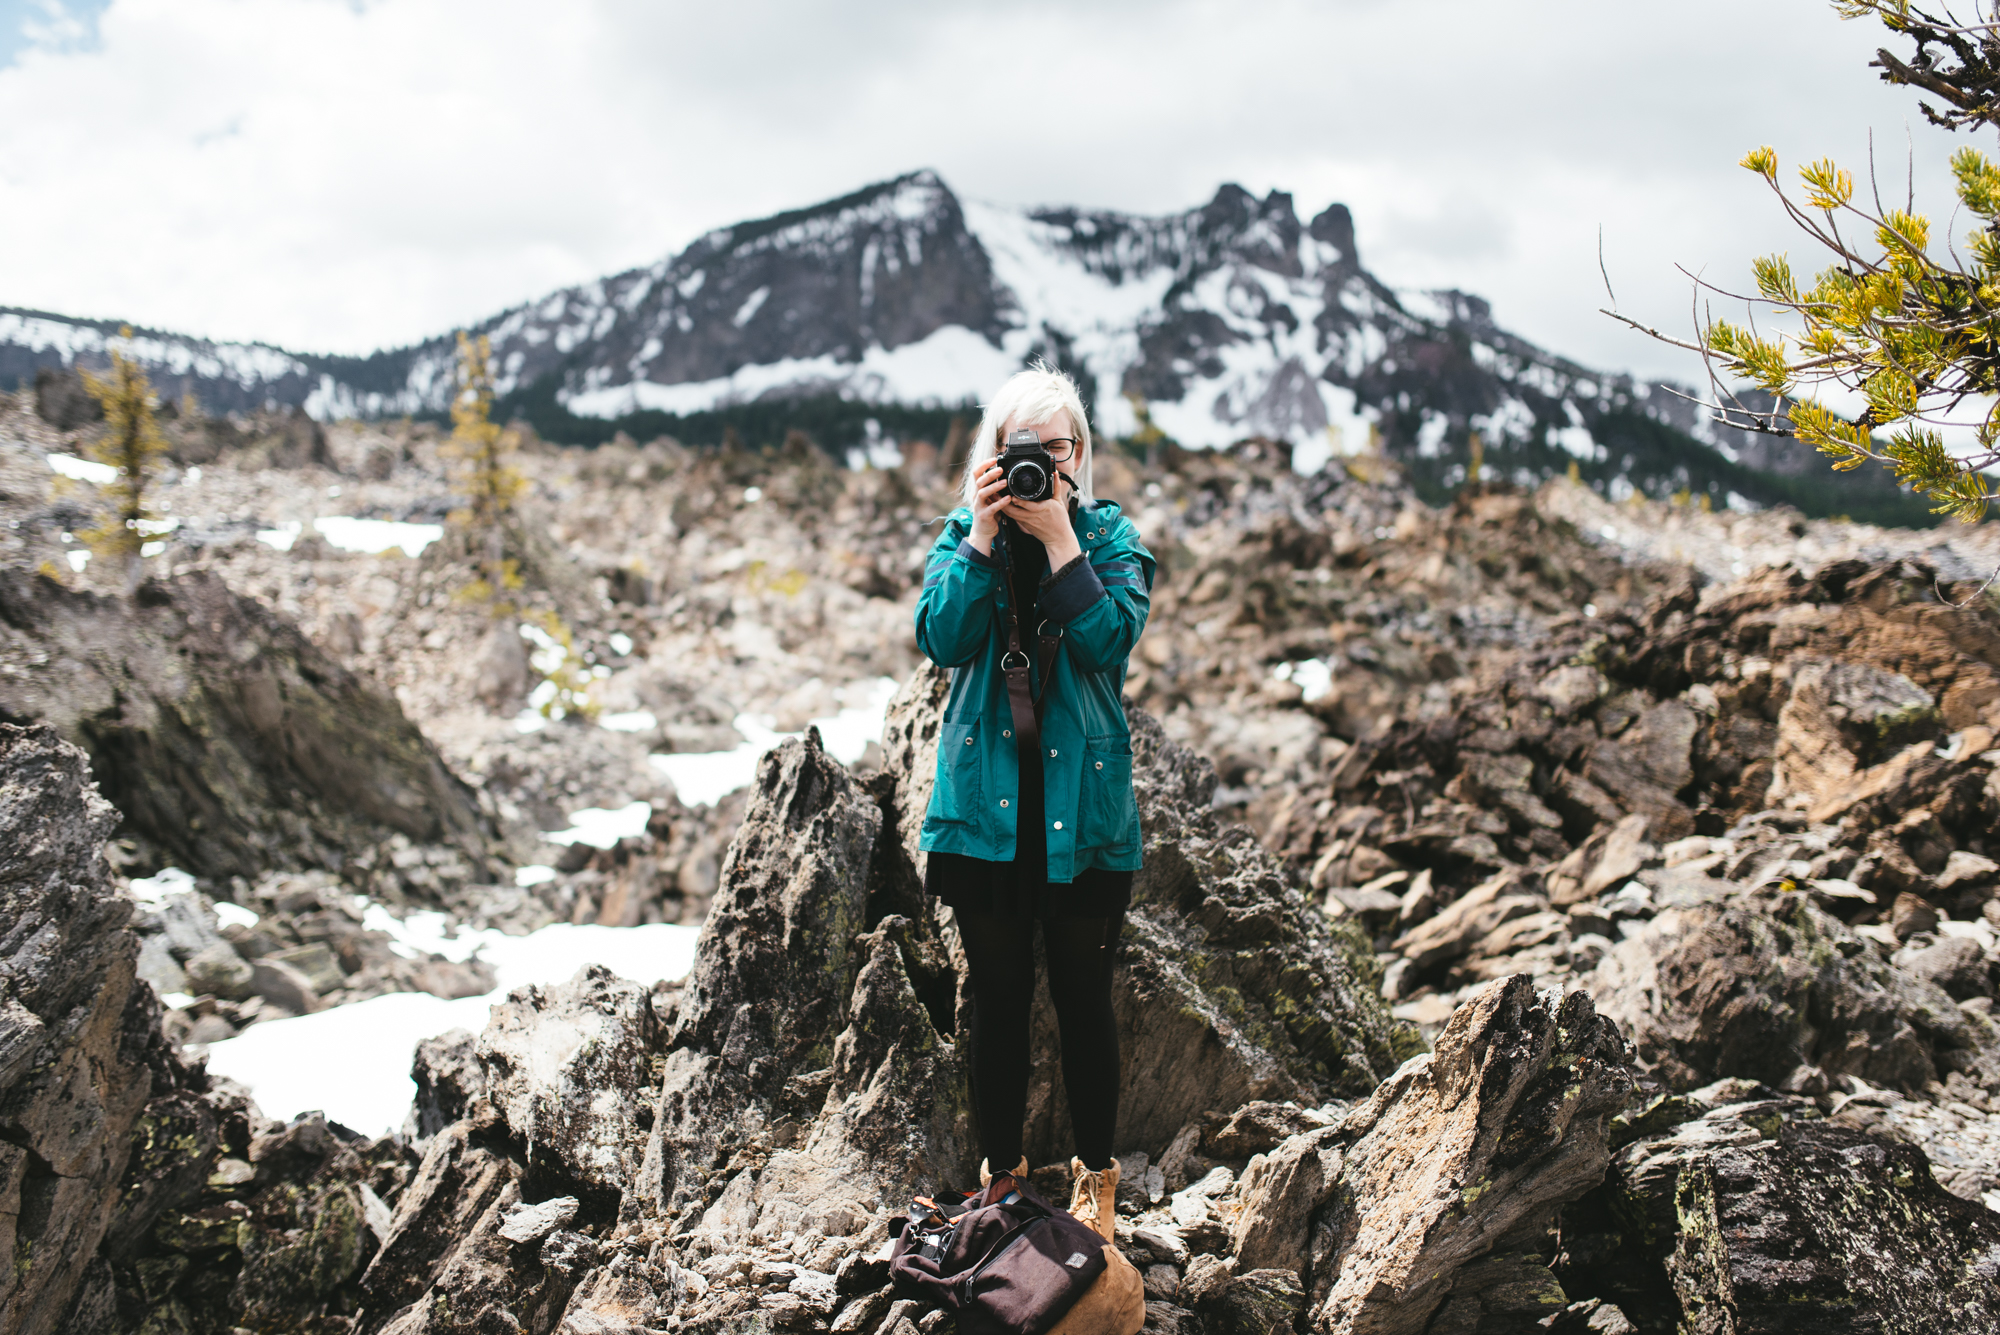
727 1154
132 1193
229 742
732 1150
1774 988
1758 1214
80 1052
1754 824
1459 1162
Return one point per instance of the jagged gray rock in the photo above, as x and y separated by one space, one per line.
79 1038
133 1193
1785 993
1761 1217
229 741
1479 1140
804 1026
567 1071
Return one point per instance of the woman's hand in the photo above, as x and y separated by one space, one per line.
991 504
1049 521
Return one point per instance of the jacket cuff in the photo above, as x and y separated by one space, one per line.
977 557
1069 592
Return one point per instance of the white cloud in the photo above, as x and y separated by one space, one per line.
345 174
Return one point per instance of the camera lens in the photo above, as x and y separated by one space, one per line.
1028 481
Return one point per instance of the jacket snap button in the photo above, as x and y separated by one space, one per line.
1100 764
968 741
1052 750
1003 801
1058 825
1006 732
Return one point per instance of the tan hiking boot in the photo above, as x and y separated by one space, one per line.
986 1175
1093 1198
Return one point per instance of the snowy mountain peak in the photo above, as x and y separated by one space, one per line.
1227 320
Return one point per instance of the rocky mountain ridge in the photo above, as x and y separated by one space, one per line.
1231 320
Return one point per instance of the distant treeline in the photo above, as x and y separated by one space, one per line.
1664 461
834 423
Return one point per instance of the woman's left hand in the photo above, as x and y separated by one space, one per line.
1048 521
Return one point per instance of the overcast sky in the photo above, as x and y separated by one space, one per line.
342 175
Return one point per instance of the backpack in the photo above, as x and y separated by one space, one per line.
1009 1263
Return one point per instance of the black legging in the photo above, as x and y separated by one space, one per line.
1001 952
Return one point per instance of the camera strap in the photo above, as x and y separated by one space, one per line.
1022 700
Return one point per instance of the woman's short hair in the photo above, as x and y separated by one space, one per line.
1031 398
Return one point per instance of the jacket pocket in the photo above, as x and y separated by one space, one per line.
955 796
1107 812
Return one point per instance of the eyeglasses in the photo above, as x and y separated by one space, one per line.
1060 448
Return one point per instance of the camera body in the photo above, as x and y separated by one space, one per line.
1029 469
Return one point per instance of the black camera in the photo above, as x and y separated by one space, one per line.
1029 469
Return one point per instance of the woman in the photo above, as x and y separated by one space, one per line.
1063 584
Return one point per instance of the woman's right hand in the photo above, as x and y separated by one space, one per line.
986 509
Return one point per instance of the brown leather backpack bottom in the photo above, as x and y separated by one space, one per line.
1114 1305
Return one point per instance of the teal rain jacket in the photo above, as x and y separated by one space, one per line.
1101 603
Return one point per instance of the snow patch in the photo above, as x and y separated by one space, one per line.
1430 436
703 778
601 828
234 915
748 310
153 890
638 720
282 537
83 470
353 1062
946 367
1312 676
1577 440
375 536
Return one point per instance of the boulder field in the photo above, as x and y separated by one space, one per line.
727 1154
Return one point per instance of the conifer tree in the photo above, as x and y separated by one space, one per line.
1905 321
482 451
133 444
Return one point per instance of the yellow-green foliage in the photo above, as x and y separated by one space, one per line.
133 445
1914 334
561 667
481 451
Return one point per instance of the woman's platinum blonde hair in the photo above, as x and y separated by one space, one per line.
1031 398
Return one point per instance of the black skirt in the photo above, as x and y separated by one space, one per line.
974 885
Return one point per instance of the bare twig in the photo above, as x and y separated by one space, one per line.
1969 598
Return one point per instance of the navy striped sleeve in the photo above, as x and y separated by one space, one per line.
1069 592
1121 575
977 557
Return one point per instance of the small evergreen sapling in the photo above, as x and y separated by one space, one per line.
482 453
133 444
